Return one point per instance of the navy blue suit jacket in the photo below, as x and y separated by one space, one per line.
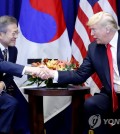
11 68
7 78
22 119
95 61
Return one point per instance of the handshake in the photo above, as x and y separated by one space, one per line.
42 72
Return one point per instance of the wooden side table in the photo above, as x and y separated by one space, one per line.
35 99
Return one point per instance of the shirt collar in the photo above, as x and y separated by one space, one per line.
2 47
114 40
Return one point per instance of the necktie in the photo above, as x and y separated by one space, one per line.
5 54
114 96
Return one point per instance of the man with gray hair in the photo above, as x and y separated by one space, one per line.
11 115
103 57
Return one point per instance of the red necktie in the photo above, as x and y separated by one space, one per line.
114 96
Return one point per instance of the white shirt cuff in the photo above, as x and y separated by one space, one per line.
55 79
23 72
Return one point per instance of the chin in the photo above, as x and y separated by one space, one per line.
98 42
13 44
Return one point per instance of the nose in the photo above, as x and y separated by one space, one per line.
16 36
92 33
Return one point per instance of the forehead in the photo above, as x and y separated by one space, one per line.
12 27
95 26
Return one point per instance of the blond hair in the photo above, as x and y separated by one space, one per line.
104 19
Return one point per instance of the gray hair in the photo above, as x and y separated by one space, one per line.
5 21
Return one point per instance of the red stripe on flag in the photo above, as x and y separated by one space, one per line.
77 39
97 8
84 19
113 5
97 80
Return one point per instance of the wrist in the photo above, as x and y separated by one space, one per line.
27 70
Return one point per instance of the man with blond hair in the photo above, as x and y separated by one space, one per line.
101 52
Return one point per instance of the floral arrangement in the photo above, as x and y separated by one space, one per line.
55 65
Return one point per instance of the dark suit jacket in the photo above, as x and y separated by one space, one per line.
7 78
22 121
95 61
11 68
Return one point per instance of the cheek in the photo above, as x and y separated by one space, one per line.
100 34
97 35
6 40
103 36
12 41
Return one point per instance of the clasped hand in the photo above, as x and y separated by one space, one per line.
46 73
42 71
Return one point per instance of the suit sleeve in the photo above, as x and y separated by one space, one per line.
11 68
80 75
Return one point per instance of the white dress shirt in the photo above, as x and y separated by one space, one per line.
116 75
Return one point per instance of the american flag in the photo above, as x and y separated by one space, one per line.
82 37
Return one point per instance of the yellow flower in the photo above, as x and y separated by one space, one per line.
55 65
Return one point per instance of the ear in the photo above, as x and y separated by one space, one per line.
0 35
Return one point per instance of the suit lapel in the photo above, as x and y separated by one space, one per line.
104 62
106 65
1 55
11 55
118 53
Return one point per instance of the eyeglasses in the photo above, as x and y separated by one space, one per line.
13 34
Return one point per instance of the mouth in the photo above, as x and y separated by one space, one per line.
13 40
